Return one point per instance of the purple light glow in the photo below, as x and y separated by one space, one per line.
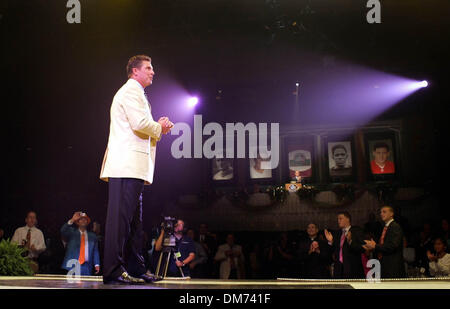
354 94
192 101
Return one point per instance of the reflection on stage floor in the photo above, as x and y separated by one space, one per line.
94 282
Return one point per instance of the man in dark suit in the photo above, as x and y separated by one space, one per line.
81 245
346 246
314 255
389 248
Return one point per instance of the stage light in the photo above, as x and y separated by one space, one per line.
423 84
192 101
297 84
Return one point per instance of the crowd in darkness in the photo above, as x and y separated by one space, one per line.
312 253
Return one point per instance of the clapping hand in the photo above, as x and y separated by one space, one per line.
430 256
370 244
314 247
166 124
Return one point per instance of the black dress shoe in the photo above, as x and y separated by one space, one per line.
125 278
149 277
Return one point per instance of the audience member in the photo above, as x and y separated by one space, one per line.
31 238
82 245
184 251
409 256
231 259
315 255
346 246
389 248
440 261
255 262
209 242
198 265
367 254
281 255
425 244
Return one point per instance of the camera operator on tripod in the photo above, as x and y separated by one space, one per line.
184 250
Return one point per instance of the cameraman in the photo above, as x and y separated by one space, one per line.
184 245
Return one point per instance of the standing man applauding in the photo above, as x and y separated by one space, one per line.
128 165
389 248
346 246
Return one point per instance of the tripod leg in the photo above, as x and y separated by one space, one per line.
181 271
159 264
167 264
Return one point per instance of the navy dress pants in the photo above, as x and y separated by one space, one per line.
123 229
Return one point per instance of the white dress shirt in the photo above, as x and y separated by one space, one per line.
36 239
441 267
389 222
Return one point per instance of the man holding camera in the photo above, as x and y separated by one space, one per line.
184 251
82 245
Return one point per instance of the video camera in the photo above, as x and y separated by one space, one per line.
168 225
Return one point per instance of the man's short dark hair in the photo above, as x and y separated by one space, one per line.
345 214
315 225
380 145
390 208
30 211
337 147
136 62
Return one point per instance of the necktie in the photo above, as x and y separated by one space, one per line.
383 235
28 244
82 244
341 257
380 255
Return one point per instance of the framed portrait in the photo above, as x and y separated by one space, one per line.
300 160
260 167
340 160
381 156
300 163
222 169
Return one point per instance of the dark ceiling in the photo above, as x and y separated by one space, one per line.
58 78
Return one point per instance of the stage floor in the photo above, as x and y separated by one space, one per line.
61 282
